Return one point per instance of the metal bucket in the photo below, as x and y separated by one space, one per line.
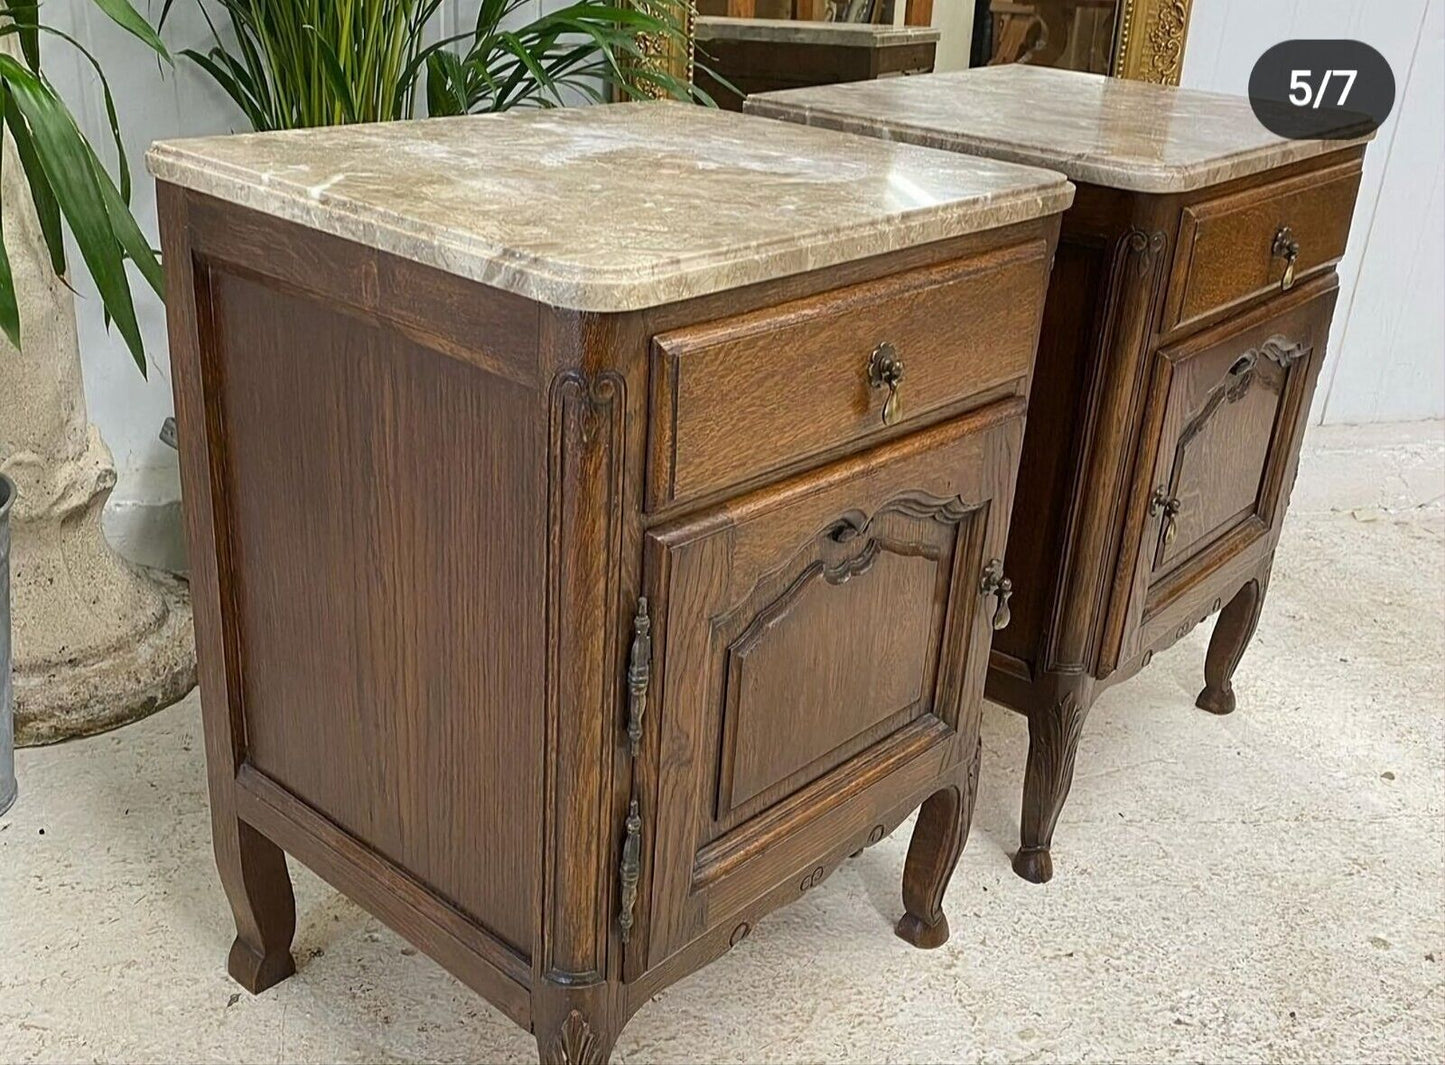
7 709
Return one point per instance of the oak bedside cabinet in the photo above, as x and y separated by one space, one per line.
1185 329
594 520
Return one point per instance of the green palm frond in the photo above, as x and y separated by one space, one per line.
69 185
297 63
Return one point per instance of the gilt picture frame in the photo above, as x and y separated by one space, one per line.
1149 44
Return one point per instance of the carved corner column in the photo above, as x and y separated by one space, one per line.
1084 632
594 420
1077 642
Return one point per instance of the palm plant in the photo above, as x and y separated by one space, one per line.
69 185
298 63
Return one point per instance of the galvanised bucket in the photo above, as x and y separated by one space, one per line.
7 709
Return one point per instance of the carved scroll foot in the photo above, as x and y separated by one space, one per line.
253 871
574 1042
938 840
1053 744
1226 647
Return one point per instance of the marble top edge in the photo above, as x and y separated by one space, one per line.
798 31
1103 131
816 202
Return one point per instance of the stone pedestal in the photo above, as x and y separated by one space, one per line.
97 641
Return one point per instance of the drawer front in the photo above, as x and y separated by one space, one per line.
737 399
821 649
1225 415
1235 249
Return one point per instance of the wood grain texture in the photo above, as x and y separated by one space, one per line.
736 791
742 396
252 868
1224 255
356 545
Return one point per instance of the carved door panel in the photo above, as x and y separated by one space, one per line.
1220 417
819 657
1226 410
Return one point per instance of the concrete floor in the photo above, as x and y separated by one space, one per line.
1267 886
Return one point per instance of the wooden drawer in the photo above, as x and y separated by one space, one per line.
1227 246
743 397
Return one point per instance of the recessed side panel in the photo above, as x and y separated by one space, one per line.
386 621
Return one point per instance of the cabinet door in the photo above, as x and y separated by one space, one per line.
820 654
1226 411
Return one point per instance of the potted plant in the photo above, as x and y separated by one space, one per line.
299 63
96 641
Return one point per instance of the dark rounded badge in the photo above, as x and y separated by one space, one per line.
1322 89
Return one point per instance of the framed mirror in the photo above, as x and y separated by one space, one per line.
759 45
1140 39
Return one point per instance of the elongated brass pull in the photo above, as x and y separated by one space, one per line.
630 871
639 674
885 370
1286 248
994 583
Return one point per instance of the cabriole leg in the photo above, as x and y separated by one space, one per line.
1053 744
253 871
938 840
1232 632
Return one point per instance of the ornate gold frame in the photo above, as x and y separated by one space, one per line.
1150 43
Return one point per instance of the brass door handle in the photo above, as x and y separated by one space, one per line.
1163 503
1286 247
994 583
885 370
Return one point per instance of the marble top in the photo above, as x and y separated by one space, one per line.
801 31
1104 131
612 208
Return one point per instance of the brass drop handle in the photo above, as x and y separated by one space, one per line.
1163 503
1286 248
885 370
994 583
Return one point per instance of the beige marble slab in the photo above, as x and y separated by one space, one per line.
800 31
1104 131
612 208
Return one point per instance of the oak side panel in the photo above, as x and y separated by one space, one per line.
387 592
